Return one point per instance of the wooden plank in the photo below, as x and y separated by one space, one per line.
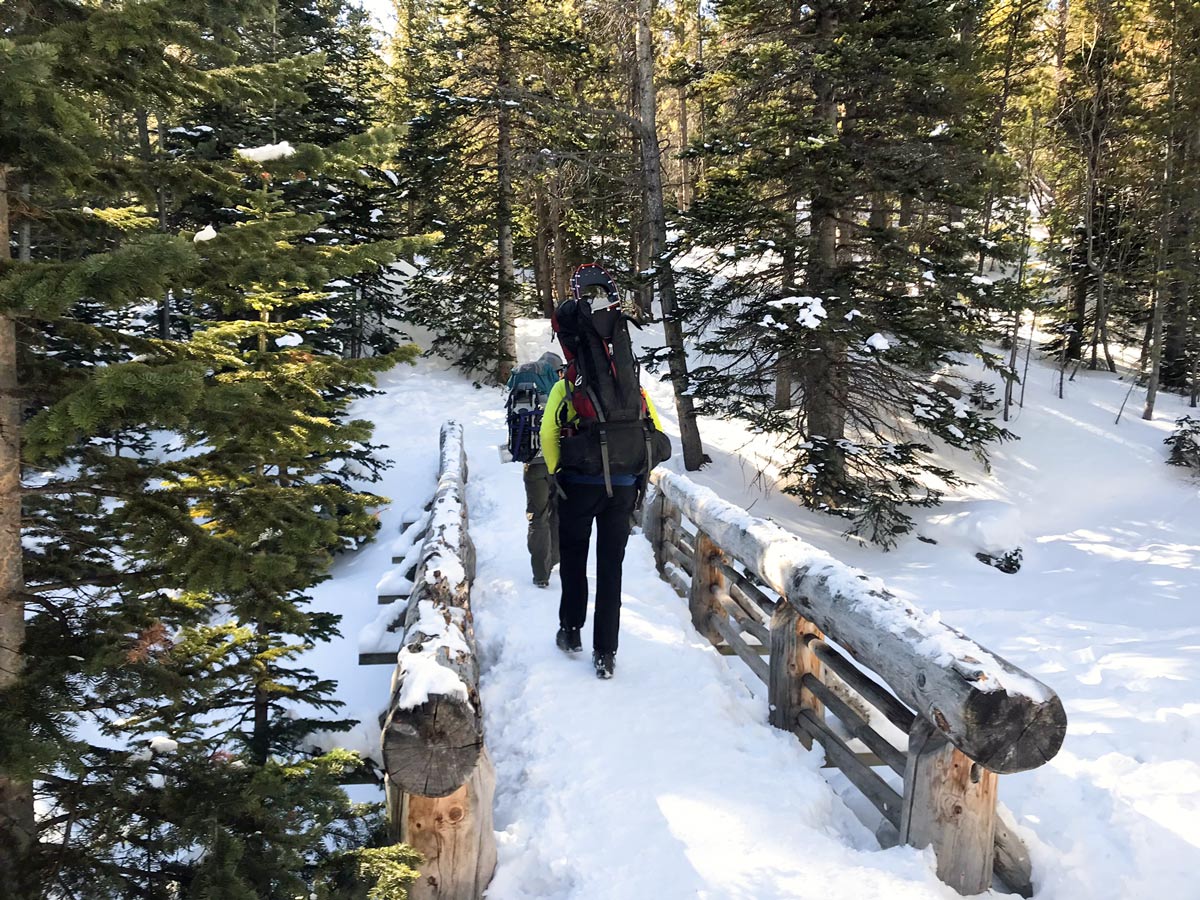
674 531
455 836
726 650
1012 864
743 650
676 556
706 575
950 805
898 714
653 512
994 712
882 748
881 794
675 579
791 660
749 593
748 624
378 659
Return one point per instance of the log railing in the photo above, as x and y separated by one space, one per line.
830 644
439 779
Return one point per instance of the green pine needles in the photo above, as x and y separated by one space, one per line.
193 325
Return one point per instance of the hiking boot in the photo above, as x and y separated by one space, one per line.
568 640
605 663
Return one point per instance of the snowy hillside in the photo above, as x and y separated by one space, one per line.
667 781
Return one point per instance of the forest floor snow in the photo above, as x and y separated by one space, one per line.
667 782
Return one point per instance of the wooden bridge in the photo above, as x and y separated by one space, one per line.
916 715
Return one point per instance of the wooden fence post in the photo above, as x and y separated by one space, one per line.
652 527
792 659
707 578
455 836
949 804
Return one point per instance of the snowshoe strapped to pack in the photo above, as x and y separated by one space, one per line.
614 434
523 409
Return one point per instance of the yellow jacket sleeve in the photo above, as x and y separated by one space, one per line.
653 412
549 432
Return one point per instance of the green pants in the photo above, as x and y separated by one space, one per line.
541 509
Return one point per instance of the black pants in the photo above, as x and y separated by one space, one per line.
613 517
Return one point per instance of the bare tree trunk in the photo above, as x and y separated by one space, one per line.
785 368
543 274
1164 237
693 451
560 253
16 797
506 282
825 386
685 169
25 234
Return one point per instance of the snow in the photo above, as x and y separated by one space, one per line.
267 152
290 339
666 782
809 311
877 342
163 745
207 233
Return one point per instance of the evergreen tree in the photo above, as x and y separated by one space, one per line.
844 159
190 491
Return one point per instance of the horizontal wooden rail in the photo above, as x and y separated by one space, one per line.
440 780
976 715
993 712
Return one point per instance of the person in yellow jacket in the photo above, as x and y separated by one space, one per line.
609 501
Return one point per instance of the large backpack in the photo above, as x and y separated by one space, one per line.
524 415
614 434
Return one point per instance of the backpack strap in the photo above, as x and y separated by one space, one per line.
600 423
604 461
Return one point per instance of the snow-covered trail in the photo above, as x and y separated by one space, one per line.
665 782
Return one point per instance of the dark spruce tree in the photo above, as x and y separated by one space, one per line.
842 192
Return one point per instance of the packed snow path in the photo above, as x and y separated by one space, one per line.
667 783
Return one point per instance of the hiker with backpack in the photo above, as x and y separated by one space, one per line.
600 437
529 387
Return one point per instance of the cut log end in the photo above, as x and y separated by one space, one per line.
432 749
1013 733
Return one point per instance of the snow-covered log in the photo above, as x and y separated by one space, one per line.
996 714
433 731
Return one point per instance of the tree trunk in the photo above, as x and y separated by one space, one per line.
1165 235
25 234
1074 344
1181 261
693 451
824 375
785 366
543 274
506 282
560 252
685 169
16 797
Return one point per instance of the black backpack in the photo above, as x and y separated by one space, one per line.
614 434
